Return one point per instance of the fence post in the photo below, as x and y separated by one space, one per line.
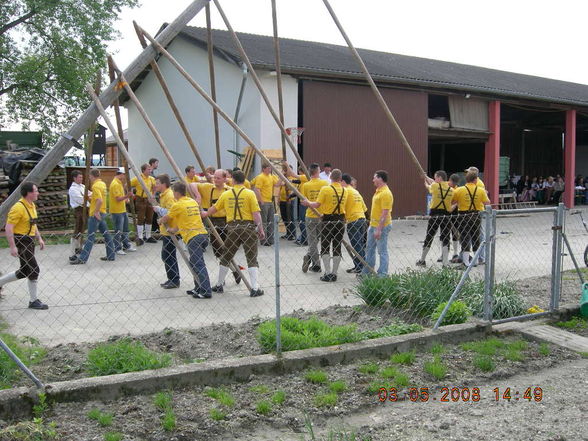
556 266
488 235
277 281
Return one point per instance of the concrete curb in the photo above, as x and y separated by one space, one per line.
17 403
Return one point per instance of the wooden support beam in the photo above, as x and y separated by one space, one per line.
212 85
53 156
278 73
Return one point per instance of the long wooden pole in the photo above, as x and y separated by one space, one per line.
278 73
212 84
166 152
377 93
257 82
60 148
90 152
238 129
123 151
172 103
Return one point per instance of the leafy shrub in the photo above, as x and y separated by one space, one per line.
316 377
25 348
124 356
217 415
279 397
396 328
403 357
508 301
436 368
338 386
458 312
375 291
368 368
326 400
263 407
484 363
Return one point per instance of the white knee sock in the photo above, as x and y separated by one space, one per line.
336 262
465 257
222 274
32 289
253 273
7 278
139 231
147 231
445 255
326 263
73 242
455 247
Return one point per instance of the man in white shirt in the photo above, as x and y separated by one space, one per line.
76 202
325 175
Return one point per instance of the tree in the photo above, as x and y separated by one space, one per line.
49 49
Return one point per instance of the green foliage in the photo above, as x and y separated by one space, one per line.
113 436
316 377
403 357
279 397
163 400
168 422
375 291
263 407
401 379
102 418
574 323
369 368
544 349
389 372
259 389
217 415
484 363
49 57
325 399
41 407
27 349
436 368
507 302
489 346
437 349
221 395
36 430
375 386
396 328
124 356
513 354
338 387
457 313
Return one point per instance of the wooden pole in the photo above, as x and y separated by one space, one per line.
166 152
90 152
60 148
257 82
123 151
212 83
121 134
278 73
172 103
377 93
238 129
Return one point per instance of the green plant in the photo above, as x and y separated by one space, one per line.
401 379
221 395
338 387
279 397
391 330
574 323
124 356
263 407
436 368
35 430
217 415
259 389
437 349
375 291
316 376
458 312
27 349
369 368
544 349
375 386
484 363
583 354
168 422
507 300
102 418
41 407
389 372
325 399
162 400
403 357
113 436
489 346
518 345
513 354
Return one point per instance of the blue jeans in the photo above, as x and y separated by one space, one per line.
100 225
356 232
196 247
121 231
382 247
301 222
170 260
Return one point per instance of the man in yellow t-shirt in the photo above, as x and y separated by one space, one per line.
210 193
310 190
143 207
287 202
380 224
191 175
244 226
263 185
440 212
117 198
470 200
21 230
230 172
301 240
331 202
186 218
96 221
355 210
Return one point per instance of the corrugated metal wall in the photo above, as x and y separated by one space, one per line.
345 125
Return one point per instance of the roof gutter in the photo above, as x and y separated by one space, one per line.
238 109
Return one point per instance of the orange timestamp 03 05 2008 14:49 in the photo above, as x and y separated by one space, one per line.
448 394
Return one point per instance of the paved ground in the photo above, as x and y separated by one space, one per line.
99 299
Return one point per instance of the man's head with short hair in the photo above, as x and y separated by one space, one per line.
179 189
454 180
77 176
440 176
238 177
210 170
145 168
190 171
266 168
381 176
94 174
220 177
314 169
327 167
154 163
336 175
162 181
471 177
472 169
346 178
29 190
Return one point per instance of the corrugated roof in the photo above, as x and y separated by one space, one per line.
312 58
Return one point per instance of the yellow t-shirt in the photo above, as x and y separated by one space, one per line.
310 190
382 200
333 199
464 195
149 182
442 195
246 184
167 200
480 183
115 190
209 195
246 204
285 190
186 215
196 179
98 192
355 206
265 183
19 217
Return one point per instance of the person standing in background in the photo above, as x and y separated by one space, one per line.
76 202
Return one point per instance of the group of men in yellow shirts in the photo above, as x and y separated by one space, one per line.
454 210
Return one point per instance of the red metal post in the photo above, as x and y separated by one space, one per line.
570 158
492 152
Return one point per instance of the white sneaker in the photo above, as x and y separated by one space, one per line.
121 253
130 250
